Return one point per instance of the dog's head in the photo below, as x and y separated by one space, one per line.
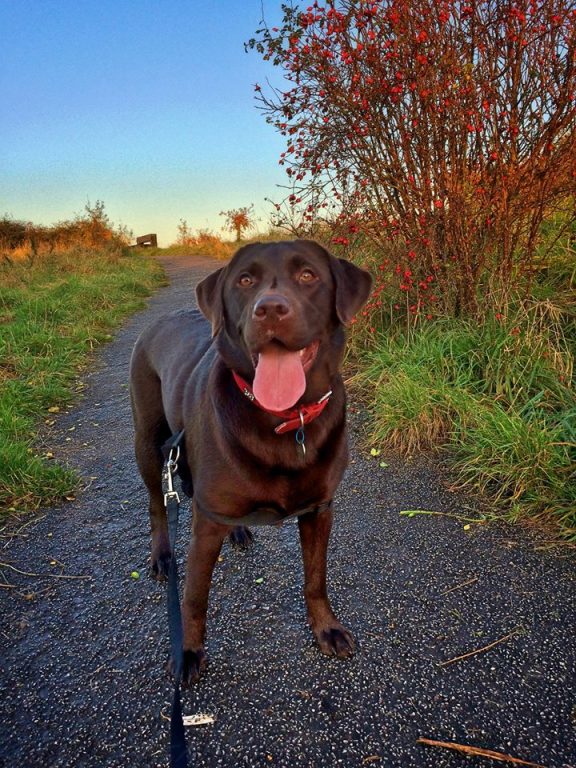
277 310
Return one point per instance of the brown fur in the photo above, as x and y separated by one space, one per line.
181 379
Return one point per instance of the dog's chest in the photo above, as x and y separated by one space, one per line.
242 492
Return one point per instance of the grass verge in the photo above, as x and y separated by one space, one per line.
497 397
53 313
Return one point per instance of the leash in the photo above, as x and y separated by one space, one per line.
269 515
178 751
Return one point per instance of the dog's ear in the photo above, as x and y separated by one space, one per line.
209 297
353 286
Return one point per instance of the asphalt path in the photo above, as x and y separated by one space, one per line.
84 644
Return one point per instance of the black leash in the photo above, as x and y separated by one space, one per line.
178 751
261 516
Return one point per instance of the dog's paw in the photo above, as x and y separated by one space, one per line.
241 537
336 641
193 664
160 566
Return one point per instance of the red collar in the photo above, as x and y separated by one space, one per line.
295 418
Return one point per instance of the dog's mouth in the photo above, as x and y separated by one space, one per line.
280 377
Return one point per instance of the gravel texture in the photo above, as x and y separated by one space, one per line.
83 657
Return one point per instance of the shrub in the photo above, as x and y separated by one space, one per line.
443 126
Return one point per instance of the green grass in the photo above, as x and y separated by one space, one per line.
52 316
498 397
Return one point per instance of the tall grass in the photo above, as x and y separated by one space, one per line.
207 243
203 243
53 312
497 396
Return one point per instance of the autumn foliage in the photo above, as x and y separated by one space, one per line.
440 131
91 230
239 220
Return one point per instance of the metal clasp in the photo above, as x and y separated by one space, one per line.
171 469
300 437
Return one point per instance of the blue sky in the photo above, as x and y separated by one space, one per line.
148 106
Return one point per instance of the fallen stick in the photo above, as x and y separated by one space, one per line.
42 575
478 752
480 650
64 576
459 586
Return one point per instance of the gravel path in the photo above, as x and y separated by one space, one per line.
84 645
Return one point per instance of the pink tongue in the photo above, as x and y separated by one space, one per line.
280 379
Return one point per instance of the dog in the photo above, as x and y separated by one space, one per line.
254 381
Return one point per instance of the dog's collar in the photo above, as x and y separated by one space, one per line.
294 418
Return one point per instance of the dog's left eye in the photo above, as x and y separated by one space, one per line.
245 280
306 276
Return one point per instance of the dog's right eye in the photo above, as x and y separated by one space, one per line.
245 280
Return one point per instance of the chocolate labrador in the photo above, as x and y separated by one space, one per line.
258 391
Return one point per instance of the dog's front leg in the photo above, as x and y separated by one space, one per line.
207 538
333 638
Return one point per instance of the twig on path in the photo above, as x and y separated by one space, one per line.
63 576
481 650
34 595
42 575
13 535
8 531
477 752
17 570
459 586
413 512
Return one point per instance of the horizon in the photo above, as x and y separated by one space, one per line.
137 110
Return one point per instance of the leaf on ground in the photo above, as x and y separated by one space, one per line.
375 452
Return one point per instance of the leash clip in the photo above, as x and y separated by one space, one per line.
171 469
300 436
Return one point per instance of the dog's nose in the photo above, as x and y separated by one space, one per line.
271 306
